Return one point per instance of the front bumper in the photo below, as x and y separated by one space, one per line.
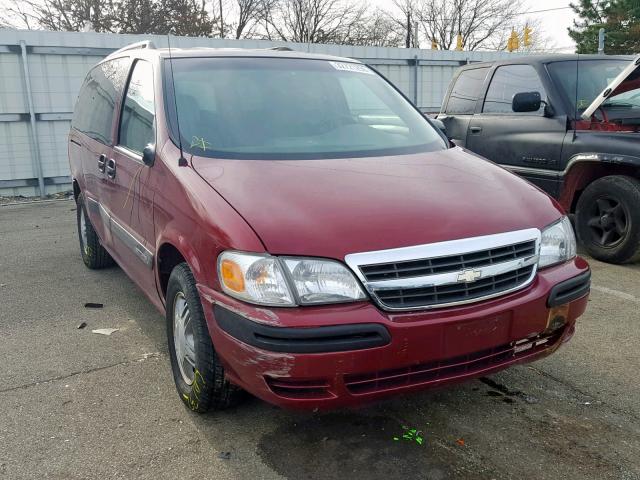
414 350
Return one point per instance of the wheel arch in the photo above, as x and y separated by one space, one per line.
76 190
583 169
171 252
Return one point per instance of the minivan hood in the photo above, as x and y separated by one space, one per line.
330 208
615 87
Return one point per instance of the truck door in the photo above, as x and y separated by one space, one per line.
461 103
528 143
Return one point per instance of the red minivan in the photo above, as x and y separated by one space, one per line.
312 238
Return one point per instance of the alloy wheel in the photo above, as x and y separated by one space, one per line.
183 341
608 222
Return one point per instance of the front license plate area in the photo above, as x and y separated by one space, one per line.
476 335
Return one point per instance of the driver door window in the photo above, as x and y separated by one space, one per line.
506 82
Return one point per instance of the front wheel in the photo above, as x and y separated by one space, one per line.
197 371
608 219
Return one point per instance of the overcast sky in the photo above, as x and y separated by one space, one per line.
555 22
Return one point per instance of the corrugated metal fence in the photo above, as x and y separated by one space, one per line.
41 73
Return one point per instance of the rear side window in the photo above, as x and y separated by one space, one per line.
506 82
138 111
466 91
102 88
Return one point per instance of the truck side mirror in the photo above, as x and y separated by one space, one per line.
526 102
149 154
439 124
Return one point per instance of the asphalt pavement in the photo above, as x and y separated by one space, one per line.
76 405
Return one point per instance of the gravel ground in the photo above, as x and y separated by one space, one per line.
79 405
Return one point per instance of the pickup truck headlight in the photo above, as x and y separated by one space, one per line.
286 281
558 243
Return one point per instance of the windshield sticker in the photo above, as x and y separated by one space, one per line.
200 143
351 67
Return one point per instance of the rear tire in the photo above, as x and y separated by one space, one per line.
608 219
197 370
93 253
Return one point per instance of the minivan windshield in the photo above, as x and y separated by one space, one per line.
283 108
592 77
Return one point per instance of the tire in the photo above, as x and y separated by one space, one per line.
93 253
608 219
200 379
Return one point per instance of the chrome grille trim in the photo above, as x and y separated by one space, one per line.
443 250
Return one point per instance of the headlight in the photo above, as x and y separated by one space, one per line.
558 243
286 281
322 281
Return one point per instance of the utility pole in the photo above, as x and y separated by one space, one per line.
221 20
601 37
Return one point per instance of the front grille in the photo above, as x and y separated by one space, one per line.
453 293
454 263
449 273
433 372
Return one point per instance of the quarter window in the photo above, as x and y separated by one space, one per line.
138 112
466 91
506 82
102 88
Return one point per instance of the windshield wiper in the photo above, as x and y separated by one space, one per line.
620 105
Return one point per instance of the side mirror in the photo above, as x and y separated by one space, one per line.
526 102
439 124
149 154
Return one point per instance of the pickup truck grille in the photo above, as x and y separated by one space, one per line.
449 273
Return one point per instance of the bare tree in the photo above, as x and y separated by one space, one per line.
377 29
181 17
477 21
17 14
137 16
312 21
409 14
248 15
67 15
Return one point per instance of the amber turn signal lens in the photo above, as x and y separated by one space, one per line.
231 276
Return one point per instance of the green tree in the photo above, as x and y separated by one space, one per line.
620 19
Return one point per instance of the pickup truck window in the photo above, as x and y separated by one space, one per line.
93 114
138 112
466 91
506 82
288 108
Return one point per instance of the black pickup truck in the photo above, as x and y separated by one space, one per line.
569 124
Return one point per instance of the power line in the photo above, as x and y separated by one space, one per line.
529 12
545 10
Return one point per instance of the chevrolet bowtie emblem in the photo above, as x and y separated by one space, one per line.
469 276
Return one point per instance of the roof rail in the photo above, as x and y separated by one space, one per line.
281 49
144 44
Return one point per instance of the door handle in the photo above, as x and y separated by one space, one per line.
111 168
475 130
102 160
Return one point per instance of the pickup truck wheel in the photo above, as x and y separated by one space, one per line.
93 253
197 371
608 219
